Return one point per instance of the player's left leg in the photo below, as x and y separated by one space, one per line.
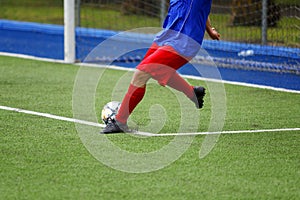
136 91
131 99
134 95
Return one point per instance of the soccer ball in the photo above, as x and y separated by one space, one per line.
110 111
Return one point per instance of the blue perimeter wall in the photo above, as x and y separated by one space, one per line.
46 41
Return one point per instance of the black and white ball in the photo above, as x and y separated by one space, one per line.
110 111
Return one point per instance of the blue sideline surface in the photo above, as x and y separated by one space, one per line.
277 67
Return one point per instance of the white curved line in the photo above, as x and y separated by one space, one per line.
47 115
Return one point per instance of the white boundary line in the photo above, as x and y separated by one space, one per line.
31 57
244 84
222 132
51 116
200 78
141 133
131 69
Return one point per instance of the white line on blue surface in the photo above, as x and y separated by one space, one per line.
131 69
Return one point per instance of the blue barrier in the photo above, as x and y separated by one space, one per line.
278 67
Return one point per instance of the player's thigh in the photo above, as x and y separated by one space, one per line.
140 78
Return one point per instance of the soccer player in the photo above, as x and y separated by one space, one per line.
178 42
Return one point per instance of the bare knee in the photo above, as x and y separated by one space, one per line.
140 78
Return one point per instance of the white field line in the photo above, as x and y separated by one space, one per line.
52 116
31 57
47 115
200 78
131 69
220 132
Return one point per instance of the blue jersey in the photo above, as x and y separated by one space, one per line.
185 25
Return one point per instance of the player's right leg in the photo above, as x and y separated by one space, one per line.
195 93
162 66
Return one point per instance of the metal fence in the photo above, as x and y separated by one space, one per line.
277 23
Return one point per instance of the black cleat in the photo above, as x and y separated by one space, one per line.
113 126
199 95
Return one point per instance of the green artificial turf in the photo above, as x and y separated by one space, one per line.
44 158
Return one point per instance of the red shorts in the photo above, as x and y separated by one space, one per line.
161 62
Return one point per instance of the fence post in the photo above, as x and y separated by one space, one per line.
264 24
77 13
162 10
69 31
